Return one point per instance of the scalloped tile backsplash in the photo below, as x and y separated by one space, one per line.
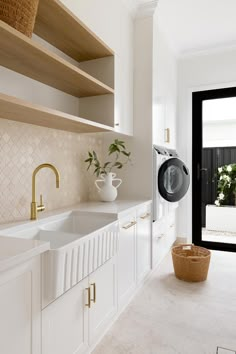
22 148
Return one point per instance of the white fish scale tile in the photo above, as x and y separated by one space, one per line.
22 148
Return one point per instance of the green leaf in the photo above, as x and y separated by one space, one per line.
118 164
113 148
125 153
106 164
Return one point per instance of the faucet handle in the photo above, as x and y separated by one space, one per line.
41 207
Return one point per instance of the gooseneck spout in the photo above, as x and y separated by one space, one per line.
34 207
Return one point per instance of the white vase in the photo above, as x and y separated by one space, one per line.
107 191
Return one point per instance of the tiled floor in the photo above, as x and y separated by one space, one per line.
169 316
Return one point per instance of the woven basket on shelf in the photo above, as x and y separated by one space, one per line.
19 14
191 263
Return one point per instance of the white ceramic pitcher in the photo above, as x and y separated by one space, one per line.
107 191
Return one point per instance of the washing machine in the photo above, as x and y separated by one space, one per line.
171 181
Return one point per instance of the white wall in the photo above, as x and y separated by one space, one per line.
204 71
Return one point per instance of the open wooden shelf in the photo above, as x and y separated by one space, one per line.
23 55
59 26
19 110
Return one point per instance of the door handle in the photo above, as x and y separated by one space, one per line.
94 292
89 298
199 170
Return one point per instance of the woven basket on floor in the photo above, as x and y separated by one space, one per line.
191 263
19 14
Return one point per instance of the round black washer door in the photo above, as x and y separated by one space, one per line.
173 180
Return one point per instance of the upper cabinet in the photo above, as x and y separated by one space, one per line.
89 76
124 77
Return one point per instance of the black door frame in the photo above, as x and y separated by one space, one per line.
197 98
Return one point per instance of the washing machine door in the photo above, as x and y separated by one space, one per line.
173 180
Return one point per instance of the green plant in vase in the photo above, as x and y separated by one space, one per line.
118 157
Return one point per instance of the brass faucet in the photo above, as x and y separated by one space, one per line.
34 207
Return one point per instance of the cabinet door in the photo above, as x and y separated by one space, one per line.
20 309
143 241
171 230
126 258
163 237
103 299
65 322
158 241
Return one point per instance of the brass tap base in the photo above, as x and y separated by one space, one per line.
33 211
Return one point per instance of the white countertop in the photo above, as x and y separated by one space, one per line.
16 250
117 207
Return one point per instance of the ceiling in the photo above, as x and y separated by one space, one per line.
195 25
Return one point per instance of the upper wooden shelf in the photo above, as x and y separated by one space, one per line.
59 26
19 110
23 55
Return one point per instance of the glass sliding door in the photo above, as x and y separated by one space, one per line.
214 169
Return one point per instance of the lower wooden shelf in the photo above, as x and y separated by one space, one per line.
16 109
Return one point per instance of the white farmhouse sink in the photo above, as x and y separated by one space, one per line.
80 242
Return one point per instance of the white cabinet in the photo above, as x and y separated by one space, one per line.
143 241
163 237
134 251
20 309
77 319
103 294
65 322
126 258
124 77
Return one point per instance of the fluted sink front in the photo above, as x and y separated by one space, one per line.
80 242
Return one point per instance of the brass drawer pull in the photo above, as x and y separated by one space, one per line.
89 298
145 216
127 226
167 135
94 292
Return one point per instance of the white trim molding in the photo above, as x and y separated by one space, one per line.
141 8
146 9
